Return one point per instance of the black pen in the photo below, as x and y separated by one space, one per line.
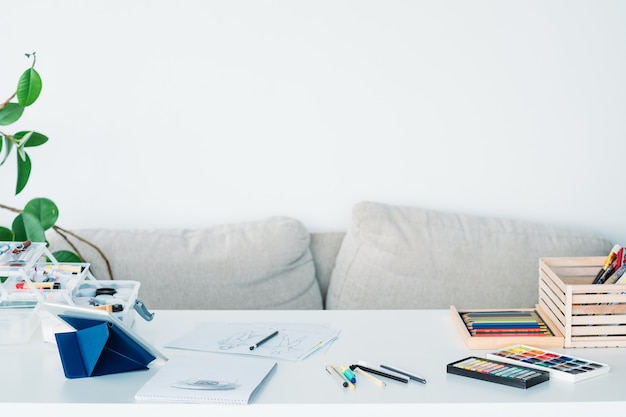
380 373
265 339
405 373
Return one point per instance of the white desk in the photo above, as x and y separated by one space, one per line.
424 341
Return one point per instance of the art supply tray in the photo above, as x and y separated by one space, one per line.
29 272
53 282
498 333
29 275
561 366
118 297
499 372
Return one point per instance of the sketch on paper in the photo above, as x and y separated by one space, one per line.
294 341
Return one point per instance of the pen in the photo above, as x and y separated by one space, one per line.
370 377
405 373
380 373
342 376
607 263
338 377
265 339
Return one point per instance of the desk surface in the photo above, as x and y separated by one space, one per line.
421 340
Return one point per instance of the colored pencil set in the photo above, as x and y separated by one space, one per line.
505 323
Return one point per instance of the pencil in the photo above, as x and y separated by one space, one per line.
265 339
331 372
370 377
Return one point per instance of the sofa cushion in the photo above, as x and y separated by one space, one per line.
255 265
324 248
406 257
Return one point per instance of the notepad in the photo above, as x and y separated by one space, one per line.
207 379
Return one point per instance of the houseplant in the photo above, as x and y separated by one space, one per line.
39 214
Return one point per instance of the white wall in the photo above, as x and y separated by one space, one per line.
193 113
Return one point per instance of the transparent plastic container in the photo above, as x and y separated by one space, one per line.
18 321
115 296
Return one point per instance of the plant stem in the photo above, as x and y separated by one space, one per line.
62 232
3 105
13 209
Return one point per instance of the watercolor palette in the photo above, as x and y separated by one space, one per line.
559 365
498 372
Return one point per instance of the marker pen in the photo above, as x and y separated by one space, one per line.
619 268
347 372
380 373
607 263
342 376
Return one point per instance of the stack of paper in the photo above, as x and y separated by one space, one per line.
207 379
294 341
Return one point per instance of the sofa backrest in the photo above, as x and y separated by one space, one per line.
395 257
389 258
255 265
324 248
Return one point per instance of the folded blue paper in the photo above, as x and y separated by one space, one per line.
99 347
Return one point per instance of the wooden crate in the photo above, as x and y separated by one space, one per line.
588 315
473 342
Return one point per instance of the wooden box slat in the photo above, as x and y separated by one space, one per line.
588 315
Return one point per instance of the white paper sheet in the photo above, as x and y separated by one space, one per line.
294 341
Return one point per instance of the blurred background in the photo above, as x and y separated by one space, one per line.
194 113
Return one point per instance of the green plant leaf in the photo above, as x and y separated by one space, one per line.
6 235
29 87
8 146
66 256
23 171
36 139
44 210
24 141
11 113
26 226
19 231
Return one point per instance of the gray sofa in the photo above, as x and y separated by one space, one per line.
389 257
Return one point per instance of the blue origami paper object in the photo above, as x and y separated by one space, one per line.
99 347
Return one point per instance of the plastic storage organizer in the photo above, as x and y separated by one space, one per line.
19 304
30 275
